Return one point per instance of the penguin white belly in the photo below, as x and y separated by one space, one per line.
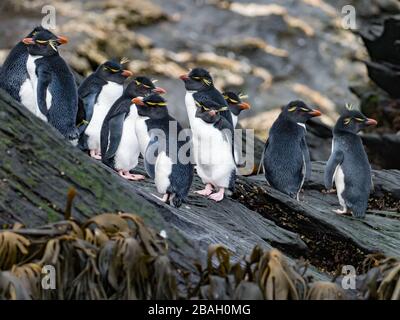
30 97
163 169
213 154
127 155
234 120
339 183
190 106
142 134
109 93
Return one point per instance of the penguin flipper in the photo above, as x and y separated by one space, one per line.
335 159
115 125
306 156
43 83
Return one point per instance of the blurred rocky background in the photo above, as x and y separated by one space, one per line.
274 51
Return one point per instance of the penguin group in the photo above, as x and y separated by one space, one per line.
116 117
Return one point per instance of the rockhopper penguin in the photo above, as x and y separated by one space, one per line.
98 92
236 105
53 83
14 77
286 157
199 86
214 153
172 173
120 147
348 166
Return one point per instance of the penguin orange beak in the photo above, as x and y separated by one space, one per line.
184 77
62 40
315 113
159 90
127 73
138 101
28 41
371 122
244 106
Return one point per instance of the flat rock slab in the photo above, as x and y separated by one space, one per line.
378 232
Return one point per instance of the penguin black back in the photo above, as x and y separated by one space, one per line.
13 73
286 157
348 165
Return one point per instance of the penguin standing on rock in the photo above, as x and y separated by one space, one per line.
236 105
286 157
120 147
215 155
14 77
200 87
53 83
172 174
348 166
98 92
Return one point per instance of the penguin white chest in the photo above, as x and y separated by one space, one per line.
163 169
28 91
109 93
213 154
142 134
234 120
339 183
190 106
127 155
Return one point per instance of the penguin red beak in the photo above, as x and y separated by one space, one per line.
159 90
244 106
62 40
28 41
315 113
184 77
138 101
127 73
371 122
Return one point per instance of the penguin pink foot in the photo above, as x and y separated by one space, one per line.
342 211
95 154
129 176
165 197
206 191
218 196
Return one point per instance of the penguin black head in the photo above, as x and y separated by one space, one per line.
198 79
36 30
235 103
142 86
113 71
44 43
152 106
299 112
208 110
353 121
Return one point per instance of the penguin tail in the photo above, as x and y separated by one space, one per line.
176 200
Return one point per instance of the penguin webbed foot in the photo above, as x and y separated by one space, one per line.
95 154
342 212
218 196
206 191
328 191
130 176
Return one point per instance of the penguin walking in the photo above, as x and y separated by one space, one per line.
53 83
348 166
98 92
172 171
120 147
215 154
286 157
199 86
235 104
